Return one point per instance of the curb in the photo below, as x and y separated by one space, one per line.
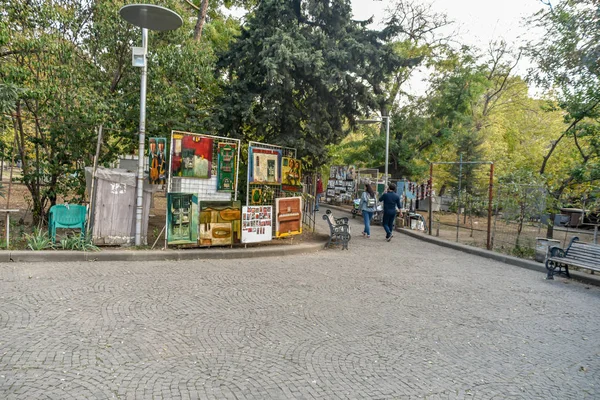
504 258
159 255
583 277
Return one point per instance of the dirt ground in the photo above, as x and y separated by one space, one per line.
21 221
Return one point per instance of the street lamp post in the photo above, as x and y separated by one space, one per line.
156 18
387 140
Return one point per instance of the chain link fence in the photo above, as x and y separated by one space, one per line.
507 217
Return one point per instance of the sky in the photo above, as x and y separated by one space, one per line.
477 23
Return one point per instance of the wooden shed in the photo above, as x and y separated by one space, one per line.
114 205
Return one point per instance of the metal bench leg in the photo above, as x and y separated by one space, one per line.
550 266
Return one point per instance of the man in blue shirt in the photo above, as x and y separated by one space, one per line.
391 201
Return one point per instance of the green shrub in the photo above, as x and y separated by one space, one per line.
38 240
76 242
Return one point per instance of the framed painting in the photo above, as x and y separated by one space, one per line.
226 173
256 197
220 223
192 156
289 216
157 161
182 218
265 166
291 175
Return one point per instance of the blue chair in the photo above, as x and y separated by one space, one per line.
66 216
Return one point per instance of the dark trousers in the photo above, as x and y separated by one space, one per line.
388 223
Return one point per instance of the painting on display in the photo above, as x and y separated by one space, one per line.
182 218
332 172
220 223
192 156
265 166
351 172
256 197
257 224
289 216
227 153
157 161
340 173
291 174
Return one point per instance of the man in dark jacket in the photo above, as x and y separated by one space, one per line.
391 202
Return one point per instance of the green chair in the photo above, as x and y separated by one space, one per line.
66 216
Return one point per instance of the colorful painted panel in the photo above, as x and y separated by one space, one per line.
291 175
257 224
227 153
265 166
289 216
182 221
256 197
192 156
157 161
220 223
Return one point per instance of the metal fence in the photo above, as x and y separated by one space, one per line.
507 217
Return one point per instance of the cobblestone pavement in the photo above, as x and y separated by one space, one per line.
398 320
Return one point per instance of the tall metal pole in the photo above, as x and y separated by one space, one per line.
458 199
142 138
387 148
430 196
491 197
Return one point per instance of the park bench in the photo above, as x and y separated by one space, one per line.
339 230
578 254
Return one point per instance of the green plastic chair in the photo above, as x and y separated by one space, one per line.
66 216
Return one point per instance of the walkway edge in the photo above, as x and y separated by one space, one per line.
158 255
504 258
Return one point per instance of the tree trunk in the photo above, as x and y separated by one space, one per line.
550 230
201 20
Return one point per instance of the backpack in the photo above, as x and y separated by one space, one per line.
371 202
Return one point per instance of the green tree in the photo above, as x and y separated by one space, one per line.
66 66
290 76
568 66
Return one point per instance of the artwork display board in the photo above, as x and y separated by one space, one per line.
257 224
288 220
157 161
261 192
203 168
220 223
291 175
182 218
341 186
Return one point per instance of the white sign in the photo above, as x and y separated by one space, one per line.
257 224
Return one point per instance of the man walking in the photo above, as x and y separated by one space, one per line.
391 201
319 193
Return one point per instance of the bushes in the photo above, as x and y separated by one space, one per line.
40 240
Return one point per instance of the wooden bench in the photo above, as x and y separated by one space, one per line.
339 230
578 254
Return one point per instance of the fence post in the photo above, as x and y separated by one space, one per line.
458 198
491 197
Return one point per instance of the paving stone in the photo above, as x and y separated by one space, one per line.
398 320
